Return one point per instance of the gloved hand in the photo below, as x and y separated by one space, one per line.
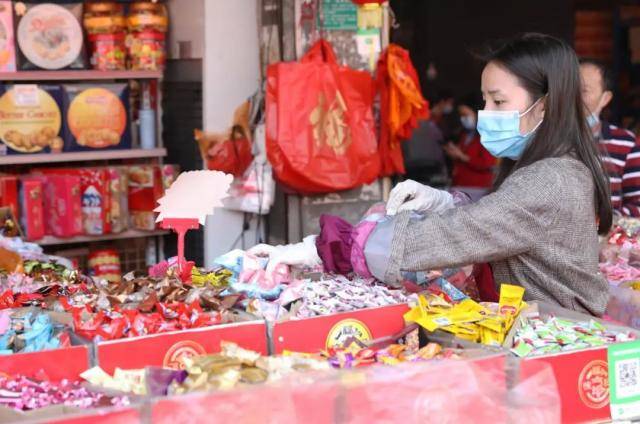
412 196
299 254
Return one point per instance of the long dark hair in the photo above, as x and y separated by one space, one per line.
545 65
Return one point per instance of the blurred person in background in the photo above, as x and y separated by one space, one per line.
473 166
424 158
619 147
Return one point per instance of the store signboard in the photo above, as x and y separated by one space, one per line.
339 15
318 333
624 380
169 349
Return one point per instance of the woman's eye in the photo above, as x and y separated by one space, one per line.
498 102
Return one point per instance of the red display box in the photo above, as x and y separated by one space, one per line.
107 416
56 364
279 403
167 349
582 375
314 334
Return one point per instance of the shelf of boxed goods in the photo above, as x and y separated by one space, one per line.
129 234
88 75
83 156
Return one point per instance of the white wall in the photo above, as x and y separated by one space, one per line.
186 23
231 74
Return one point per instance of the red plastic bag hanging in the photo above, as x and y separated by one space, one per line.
401 106
231 156
319 124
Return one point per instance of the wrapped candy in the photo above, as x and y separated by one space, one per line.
30 332
538 336
483 323
24 394
235 366
337 293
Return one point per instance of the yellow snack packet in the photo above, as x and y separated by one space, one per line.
510 299
491 338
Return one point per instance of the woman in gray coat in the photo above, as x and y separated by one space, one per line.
539 228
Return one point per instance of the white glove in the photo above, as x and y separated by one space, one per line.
302 254
412 196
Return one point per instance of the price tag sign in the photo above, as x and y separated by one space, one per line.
624 380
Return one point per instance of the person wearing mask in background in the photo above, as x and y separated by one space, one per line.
474 166
619 149
442 113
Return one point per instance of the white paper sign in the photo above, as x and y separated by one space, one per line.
194 195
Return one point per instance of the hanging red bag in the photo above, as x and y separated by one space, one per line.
231 156
319 124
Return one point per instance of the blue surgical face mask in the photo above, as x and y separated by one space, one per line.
468 122
500 132
593 120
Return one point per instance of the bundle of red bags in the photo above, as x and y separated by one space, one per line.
321 134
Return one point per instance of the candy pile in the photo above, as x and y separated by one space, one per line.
235 366
24 394
539 336
29 332
455 313
356 355
340 294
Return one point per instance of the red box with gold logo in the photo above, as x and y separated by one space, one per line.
145 188
314 334
167 349
63 205
9 193
582 375
31 200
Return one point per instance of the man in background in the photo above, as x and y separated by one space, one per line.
620 150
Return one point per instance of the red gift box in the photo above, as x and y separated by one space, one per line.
63 205
94 197
119 193
9 193
145 188
32 207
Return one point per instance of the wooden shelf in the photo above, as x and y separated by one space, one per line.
88 75
82 156
50 241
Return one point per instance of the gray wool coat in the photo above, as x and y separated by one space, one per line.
538 231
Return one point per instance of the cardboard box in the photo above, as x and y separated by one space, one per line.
167 349
582 375
63 205
55 364
145 189
31 199
315 334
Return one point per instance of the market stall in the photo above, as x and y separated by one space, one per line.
300 332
